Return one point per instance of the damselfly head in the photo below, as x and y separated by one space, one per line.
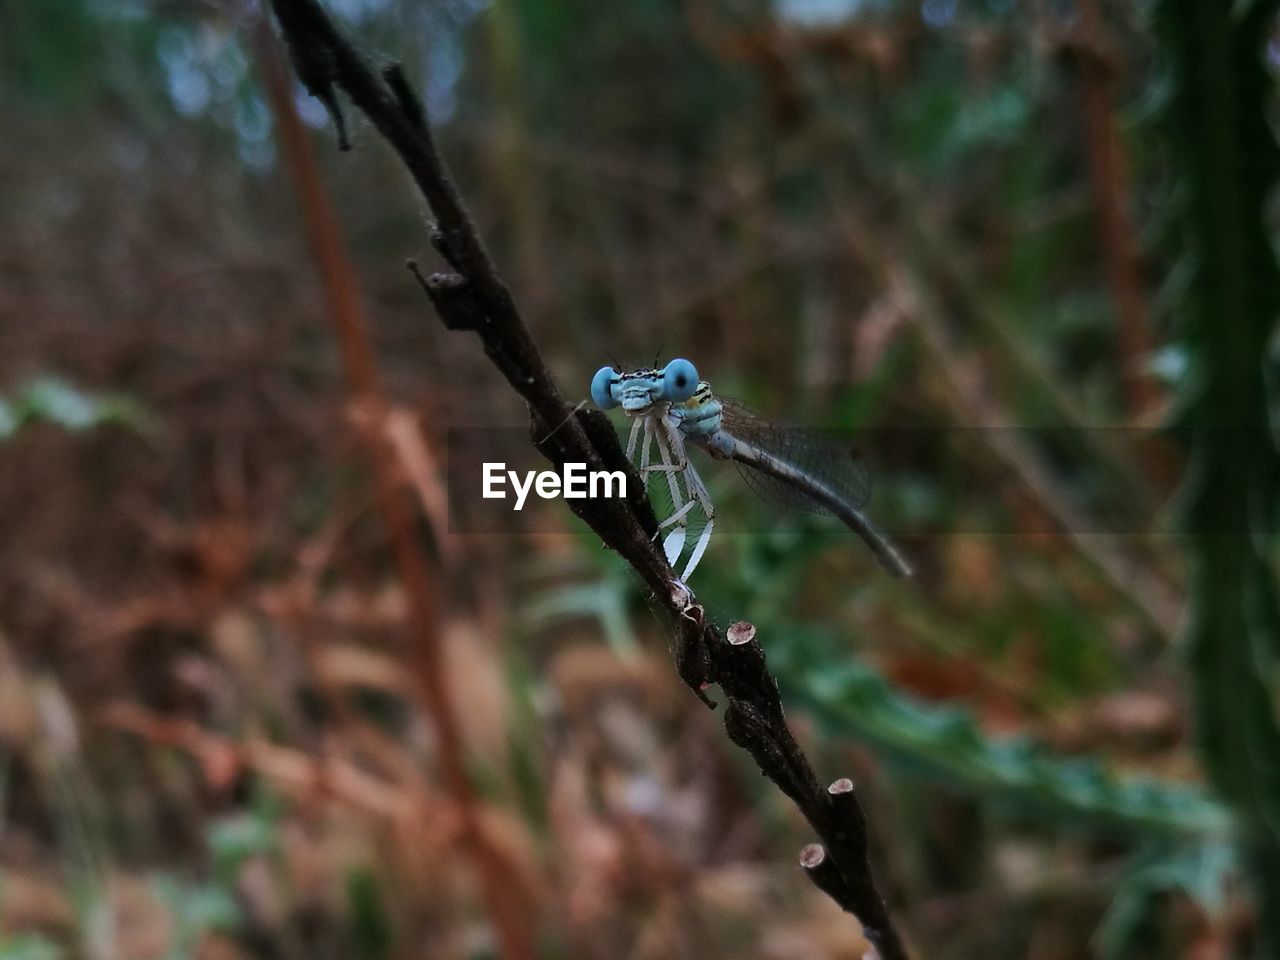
637 391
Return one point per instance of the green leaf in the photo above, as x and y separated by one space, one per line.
945 744
236 839
1200 872
53 400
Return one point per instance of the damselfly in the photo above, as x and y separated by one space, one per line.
786 465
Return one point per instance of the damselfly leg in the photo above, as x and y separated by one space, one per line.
673 543
663 435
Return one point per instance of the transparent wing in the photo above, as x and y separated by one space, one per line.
829 459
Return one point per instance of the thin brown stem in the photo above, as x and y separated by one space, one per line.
1108 175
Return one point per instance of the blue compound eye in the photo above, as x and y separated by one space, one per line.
602 388
679 381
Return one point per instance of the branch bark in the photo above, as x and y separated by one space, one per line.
472 296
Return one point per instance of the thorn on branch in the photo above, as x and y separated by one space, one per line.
314 65
824 873
452 297
850 820
693 662
841 788
745 675
412 266
327 97
441 243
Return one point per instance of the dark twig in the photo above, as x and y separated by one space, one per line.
826 876
473 297
821 869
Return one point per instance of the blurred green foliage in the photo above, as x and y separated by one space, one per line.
1228 164
32 947
851 699
53 400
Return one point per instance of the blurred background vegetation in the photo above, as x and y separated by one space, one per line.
969 219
